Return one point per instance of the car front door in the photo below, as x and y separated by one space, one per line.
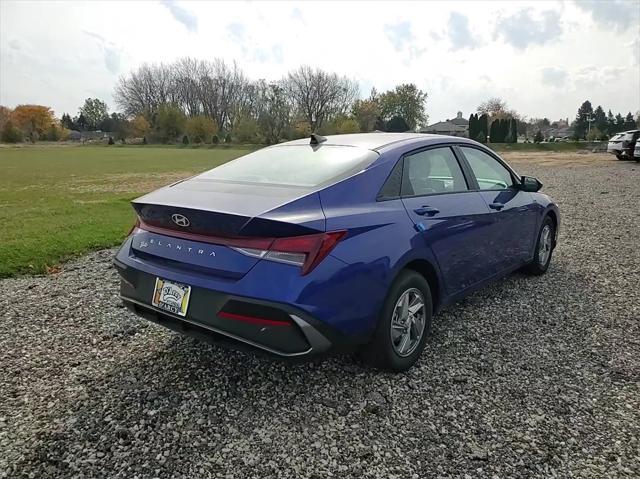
452 219
514 210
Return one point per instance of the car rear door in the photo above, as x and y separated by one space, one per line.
514 211
452 219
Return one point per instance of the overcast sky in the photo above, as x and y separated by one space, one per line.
543 58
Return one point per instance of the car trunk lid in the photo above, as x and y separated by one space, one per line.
200 224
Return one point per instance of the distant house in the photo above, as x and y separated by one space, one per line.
455 127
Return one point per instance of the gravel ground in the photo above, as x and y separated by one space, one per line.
532 377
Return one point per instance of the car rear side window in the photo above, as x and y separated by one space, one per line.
391 187
489 172
294 165
431 172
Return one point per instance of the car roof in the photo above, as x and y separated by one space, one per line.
371 141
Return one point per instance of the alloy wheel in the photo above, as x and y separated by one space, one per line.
408 322
544 247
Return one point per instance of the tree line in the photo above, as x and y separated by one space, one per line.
199 99
594 124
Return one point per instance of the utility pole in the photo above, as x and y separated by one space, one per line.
589 119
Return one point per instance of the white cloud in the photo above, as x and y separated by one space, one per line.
459 33
617 14
525 28
399 34
182 15
112 54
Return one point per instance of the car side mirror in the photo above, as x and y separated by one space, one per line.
530 184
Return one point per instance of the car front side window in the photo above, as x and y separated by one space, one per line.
431 172
489 172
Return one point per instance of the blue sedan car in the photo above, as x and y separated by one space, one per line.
336 244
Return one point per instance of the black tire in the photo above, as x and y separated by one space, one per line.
620 157
381 352
539 265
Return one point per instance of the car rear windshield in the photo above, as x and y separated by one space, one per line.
294 165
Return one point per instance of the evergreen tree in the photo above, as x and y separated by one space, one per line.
67 122
581 125
483 128
611 123
629 122
619 123
473 126
81 123
512 131
494 132
600 118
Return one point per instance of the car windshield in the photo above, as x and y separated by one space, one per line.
294 165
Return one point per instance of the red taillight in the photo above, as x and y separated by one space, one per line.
305 251
313 248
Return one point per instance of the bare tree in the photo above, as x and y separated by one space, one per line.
221 89
186 72
319 95
496 108
274 115
144 90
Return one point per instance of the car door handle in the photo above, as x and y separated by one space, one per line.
426 210
496 206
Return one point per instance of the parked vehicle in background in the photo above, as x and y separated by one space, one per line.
623 144
636 152
350 242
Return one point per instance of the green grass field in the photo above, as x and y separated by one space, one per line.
57 202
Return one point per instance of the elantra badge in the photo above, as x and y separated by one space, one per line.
180 220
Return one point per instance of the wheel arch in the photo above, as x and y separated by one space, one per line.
553 214
428 271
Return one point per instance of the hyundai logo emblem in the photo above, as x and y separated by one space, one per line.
180 220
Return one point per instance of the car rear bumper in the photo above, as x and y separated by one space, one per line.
281 330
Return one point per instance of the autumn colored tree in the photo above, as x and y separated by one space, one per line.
200 128
140 127
366 112
33 120
346 125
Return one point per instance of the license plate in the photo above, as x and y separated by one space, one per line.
172 297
